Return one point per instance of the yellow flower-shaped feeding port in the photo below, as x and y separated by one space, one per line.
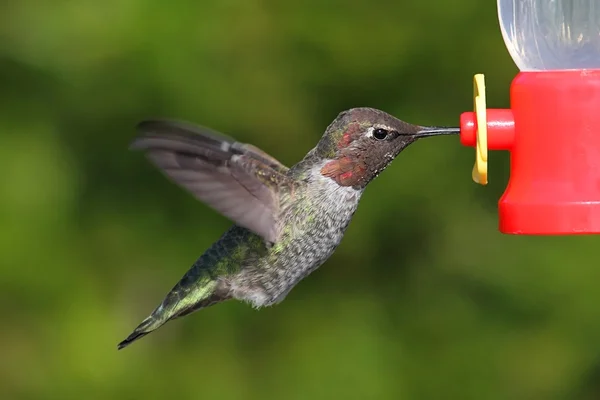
480 169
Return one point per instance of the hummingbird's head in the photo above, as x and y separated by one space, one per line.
362 142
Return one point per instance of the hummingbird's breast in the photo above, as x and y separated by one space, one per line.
313 222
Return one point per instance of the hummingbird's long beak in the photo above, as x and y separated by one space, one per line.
426 131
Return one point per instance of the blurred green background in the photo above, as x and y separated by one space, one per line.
424 299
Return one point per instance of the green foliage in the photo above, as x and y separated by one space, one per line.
423 300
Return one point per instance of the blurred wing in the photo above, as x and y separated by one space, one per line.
238 180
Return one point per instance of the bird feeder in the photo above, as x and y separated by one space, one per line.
552 129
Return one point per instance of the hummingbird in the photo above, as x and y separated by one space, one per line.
287 221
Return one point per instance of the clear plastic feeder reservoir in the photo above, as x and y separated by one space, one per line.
552 129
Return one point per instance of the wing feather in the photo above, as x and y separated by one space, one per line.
239 180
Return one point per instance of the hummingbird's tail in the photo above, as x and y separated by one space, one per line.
148 325
184 299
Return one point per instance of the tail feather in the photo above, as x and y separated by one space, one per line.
197 289
142 330
171 308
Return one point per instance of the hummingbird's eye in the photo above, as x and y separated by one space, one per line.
380 134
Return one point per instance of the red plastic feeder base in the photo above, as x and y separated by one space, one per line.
554 142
